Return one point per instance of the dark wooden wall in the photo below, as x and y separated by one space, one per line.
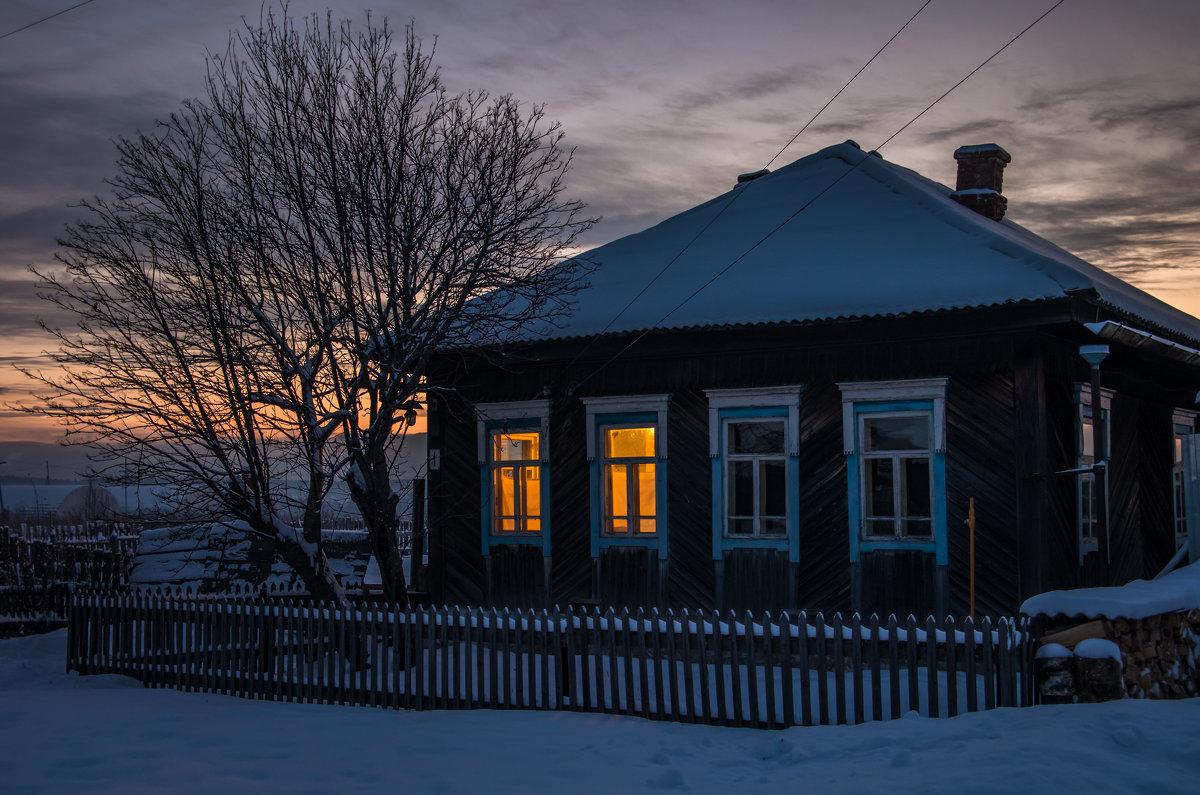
1010 424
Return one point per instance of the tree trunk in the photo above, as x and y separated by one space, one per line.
372 493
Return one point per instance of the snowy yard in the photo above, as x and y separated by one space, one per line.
64 733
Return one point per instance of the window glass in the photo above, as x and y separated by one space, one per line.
516 482
1086 508
629 477
755 477
896 433
515 446
1178 485
756 438
897 484
629 442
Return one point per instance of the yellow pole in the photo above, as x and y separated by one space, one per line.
971 525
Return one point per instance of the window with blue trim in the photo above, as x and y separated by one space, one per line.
1086 504
514 473
754 444
629 479
894 440
627 456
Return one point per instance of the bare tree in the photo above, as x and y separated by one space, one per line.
260 298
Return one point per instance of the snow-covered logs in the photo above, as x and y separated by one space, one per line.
1159 654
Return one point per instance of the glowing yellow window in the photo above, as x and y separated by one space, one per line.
516 482
630 486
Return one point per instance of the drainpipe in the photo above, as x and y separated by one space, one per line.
1093 355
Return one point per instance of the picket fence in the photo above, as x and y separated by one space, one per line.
688 666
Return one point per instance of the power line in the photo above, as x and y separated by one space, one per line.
45 19
736 194
848 82
810 202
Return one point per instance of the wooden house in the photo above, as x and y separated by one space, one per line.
789 397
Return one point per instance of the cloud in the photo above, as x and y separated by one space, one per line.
747 87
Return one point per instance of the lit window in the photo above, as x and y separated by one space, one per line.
630 485
627 465
513 441
516 483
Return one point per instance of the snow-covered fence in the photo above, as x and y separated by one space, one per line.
39 566
97 556
690 666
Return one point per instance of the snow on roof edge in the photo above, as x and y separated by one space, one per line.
1174 592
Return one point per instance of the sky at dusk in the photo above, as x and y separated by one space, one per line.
665 103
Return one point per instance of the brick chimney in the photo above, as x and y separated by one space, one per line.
981 179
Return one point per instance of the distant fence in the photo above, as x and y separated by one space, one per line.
40 566
693 667
97 556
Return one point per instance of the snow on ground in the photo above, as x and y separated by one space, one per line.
65 733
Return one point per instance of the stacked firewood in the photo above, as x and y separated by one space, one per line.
1161 654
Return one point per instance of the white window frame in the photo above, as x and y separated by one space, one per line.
606 411
724 407
915 396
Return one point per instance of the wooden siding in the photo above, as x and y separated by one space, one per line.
628 576
1010 426
981 453
824 577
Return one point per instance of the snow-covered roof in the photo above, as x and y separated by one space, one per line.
1170 593
839 234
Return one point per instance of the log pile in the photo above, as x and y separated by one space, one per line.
1160 654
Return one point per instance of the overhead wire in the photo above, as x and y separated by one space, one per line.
810 202
736 194
45 19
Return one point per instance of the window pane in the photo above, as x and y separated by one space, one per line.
504 492
647 504
896 433
616 526
531 525
772 488
916 528
881 527
1087 507
506 525
879 487
646 526
915 496
629 442
741 527
531 491
756 437
774 527
741 488
616 497
515 446
1087 443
